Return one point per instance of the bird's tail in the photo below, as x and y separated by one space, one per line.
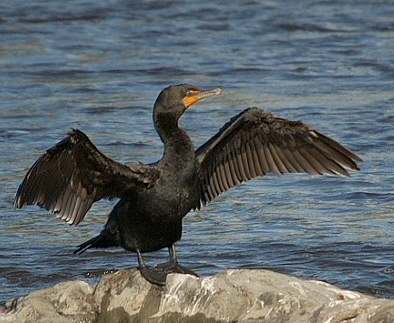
100 241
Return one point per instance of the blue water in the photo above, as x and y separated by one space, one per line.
99 65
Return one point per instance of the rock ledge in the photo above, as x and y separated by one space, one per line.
232 296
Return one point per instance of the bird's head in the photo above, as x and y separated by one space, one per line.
174 100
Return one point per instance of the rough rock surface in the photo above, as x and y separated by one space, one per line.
232 296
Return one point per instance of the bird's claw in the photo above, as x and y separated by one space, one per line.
175 267
183 270
158 274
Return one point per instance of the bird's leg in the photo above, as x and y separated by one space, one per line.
152 275
141 262
171 259
159 274
173 266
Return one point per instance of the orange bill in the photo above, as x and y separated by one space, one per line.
195 96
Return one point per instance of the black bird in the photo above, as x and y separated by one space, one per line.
154 198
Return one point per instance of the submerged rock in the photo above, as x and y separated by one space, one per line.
232 296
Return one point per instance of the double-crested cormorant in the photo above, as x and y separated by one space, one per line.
154 198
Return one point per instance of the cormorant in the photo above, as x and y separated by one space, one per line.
154 198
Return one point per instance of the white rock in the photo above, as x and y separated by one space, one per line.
236 295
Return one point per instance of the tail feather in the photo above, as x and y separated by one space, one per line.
100 241
86 245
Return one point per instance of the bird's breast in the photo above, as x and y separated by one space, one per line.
175 193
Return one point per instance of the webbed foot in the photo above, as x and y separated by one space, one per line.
175 267
154 275
165 265
158 274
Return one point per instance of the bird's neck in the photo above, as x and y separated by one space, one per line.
178 147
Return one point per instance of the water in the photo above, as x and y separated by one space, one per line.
99 65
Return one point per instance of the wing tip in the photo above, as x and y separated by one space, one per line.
358 158
71 222
21 198
17 203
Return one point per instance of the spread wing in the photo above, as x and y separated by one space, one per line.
73 174
255 143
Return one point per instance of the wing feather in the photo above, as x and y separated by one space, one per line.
256 143
73 174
